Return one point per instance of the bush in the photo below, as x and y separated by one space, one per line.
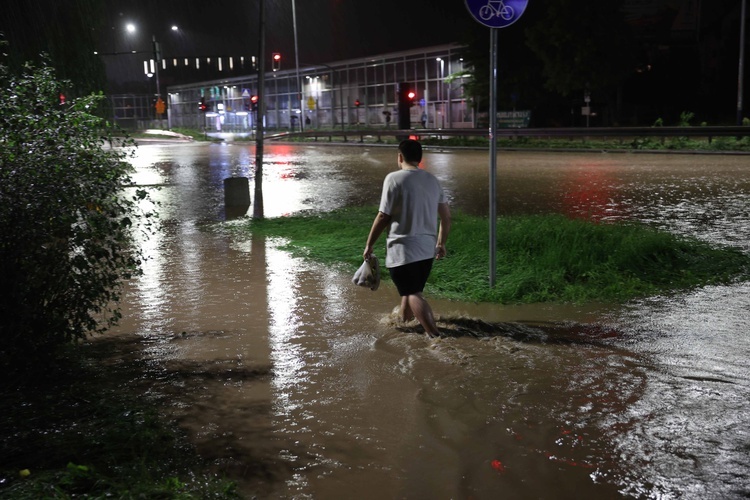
65 221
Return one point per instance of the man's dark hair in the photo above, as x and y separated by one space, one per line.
411 150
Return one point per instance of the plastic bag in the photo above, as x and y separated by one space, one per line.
368 274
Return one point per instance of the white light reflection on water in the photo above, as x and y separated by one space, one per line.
286 355
144 162
690 427
403 416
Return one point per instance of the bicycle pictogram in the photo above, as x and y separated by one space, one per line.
496 8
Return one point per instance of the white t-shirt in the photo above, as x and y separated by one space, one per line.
411 198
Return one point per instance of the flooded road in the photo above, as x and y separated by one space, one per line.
298 384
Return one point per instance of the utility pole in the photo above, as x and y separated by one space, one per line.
258 202
157 61
741 75
296 58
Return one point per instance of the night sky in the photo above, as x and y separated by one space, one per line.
327 30
693 54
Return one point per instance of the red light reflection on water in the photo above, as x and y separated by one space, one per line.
588 191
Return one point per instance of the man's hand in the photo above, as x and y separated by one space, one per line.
439 251
367 253
378 226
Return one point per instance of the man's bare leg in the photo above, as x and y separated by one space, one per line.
405 313
423 312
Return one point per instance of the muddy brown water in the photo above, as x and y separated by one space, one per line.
298 384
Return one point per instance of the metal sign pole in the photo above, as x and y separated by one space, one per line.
493 154
258 212
494 15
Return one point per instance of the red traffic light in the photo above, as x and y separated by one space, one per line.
254 99
411 95
276 61
357 103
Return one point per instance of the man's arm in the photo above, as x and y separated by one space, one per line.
378 226
444 212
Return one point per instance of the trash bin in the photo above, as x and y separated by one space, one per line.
237 192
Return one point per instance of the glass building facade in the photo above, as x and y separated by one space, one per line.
353 93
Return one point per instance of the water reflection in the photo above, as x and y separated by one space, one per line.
356 407
588 191
287 357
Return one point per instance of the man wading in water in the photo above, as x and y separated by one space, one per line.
412 200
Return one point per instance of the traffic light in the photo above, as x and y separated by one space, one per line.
254 102
202 105
357 103
406 99
276 61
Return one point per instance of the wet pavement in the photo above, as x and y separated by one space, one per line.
300 385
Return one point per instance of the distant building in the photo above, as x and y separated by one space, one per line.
358 92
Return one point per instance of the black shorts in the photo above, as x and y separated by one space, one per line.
411 278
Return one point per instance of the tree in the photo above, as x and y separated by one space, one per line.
63 29
583 44
66 222
518 69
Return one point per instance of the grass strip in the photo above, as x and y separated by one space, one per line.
546 258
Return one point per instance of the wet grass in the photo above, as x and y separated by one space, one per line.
539 258
81 428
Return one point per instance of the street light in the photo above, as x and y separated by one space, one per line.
129 29
153 70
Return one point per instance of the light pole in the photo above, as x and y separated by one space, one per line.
296 58
156 48
157 60
159 105
741 76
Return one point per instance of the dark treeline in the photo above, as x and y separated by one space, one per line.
636 69
63 30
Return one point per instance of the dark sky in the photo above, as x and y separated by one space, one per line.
327 30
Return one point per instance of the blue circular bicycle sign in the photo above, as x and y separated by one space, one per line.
496 13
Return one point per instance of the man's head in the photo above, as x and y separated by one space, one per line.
411 151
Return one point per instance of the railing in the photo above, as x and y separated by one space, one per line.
708 132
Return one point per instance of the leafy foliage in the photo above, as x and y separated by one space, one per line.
599 53
65 30
557 50
65 221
